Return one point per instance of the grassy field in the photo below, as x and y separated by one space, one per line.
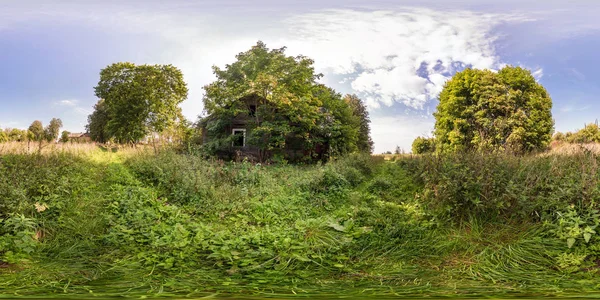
82 220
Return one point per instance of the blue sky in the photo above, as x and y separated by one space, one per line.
394 54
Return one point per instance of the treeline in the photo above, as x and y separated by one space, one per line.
590 133
35 133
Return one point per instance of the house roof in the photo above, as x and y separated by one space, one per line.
78 135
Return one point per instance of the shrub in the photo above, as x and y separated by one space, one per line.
17 238
464 185
158 234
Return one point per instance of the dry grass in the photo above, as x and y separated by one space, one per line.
562 148
72 148
392 157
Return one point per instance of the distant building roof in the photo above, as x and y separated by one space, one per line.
78 135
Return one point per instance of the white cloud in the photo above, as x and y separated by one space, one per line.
400 56
537 73
568 108
82 111
73 106
66 103
386 56
575 74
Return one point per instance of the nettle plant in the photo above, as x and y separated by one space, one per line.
573 226
17 238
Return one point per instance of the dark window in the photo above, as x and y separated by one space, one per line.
252 110
239 137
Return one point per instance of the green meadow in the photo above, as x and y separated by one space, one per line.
101 222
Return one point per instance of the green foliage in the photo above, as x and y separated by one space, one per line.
572 227
158 234
422 145
340 127
490 186
589 134
242 228
37 131
559 136
168 224
97 124
364 143
17 238
17 135
576 227
52 131
139 100
293 112
3 137
483 110
64 136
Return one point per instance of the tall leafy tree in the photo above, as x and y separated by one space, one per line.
64 137
359 109
3 136
37 131
97 125
52 131
338 129
140 99
483 110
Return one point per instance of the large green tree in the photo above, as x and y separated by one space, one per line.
53 129
291 106
140 99
337 126
97 125
485 110
365 143
37 131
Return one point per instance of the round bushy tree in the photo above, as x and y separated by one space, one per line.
485 110
423 145
138 100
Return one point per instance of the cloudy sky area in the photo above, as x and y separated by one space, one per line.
396 55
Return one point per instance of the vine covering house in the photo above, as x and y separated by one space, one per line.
231 134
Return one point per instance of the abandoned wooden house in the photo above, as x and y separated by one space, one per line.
237 129
79 137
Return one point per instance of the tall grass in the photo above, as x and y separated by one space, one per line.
87 220
499 186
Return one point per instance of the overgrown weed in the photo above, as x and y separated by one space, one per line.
169 223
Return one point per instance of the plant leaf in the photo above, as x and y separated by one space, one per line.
587 236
